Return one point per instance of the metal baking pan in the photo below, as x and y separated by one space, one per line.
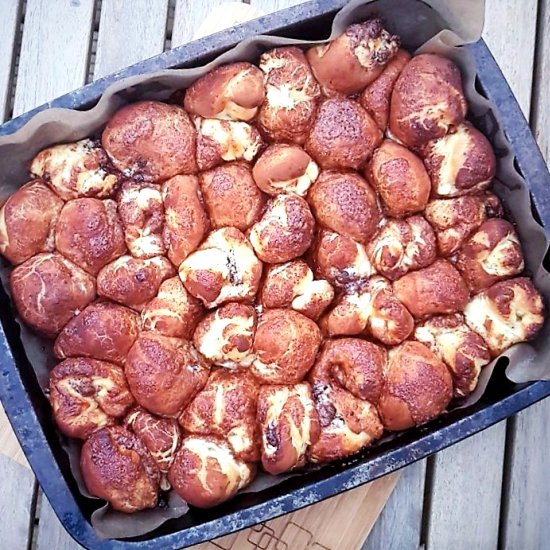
29 412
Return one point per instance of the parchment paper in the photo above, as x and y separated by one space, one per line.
420 27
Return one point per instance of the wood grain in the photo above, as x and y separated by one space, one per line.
269 6
54 51
129 31
10 10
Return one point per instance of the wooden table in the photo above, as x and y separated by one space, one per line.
491 491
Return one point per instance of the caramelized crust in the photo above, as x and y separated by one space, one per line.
226 408
117 467
27 222
102 330
87 395
289 425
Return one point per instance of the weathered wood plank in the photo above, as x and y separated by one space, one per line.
10 10
400 523
51 534
269 6
129 31
16 504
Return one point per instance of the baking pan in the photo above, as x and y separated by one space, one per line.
29 412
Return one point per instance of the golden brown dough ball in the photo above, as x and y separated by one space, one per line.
285 230
27 222
490 255
436 289
151 140
102 330
87 395
354 59
454 220
286 358
345 203
141 210
285 168
226 408
48 291
232 198
164 373
459 163
231 92
289 425
506 313
186 222
343 135
116 466
133 282
206 473
339 259
400 178
401 246
223 269
76 170
225 336
291 95
427 100
161 436
461 349
173 311
89 233
417 388
376 97
292 285
220 141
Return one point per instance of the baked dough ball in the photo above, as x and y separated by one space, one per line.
76 170
27 222
151 140
427 100
400 178
454 220
490 255
232 198
345 203
508 312
436 289
48 291
220 141
292 285
286 358
376 97
141 210
102 330
285 230
354 59
89 233
206 473
117 467
285 168
291 95
417 388
460 348
186 222
132 281
164 373
226 408
372 308
401 246
173 311
225 336
339 259
87 395
231 92
289 425
459 163
343 135
223 269
161 436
